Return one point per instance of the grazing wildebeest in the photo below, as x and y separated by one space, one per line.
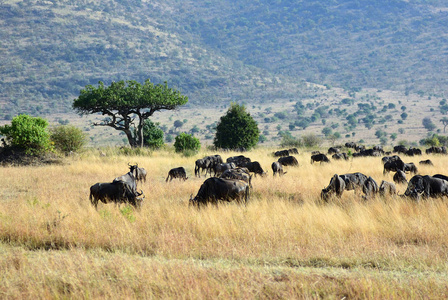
207 163
339 156
129 178
354 181
281 153
277 168
140 174
319 157
369 188
239 161
436 150
116 192
333 150
238 173
177 173
400 149
393 165
386 159
220 168
410 167
255 168
387 189
288 161
400 177
427 162
335 187
413 151
426 186
293 151
214 189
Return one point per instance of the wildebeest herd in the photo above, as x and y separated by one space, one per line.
231 180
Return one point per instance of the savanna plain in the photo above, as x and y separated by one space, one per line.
283 244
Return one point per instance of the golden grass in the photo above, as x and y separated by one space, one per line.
284 244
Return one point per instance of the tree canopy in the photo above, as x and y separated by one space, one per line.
236 129
127 104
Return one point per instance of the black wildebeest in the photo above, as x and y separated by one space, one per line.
410 167
339 156
207 163
277 168
387 189
369 188
140 174
255 167
335 187
116 192
400 177
220 168
281 153
288 161
214 189
354 181
426 162
333 150
238 173
239 161
393 165
426 186
177 173
319 157
436 150
129 178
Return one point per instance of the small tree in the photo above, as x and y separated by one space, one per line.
311 140
67 138
444 121
186 142
428 124
237 129
152 135
27 133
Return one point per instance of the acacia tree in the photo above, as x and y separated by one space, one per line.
236 130
127 104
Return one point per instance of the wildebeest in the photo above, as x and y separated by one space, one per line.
207 163
370 188
444 177
333 150
393 165
277 168
140 174
413 151
281 153
129 178
238 173
400 149
220 168
387 189
214 189
436 150
288 161
319 157
177 173
116 192
426 186
427 162
339 156
400 177
386 159
255 168
354 181
239 161
335 187
410 167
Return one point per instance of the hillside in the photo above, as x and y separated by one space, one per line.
253 52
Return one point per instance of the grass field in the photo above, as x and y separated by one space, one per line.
284 244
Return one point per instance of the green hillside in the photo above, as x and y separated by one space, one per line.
253 52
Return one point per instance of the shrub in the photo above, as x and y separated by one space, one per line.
152 135
67 138
186 142
27 133
236 129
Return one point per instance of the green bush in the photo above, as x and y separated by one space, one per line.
67 138
152 135
186 143
27 133
236 130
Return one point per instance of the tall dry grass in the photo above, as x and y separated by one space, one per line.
283 244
